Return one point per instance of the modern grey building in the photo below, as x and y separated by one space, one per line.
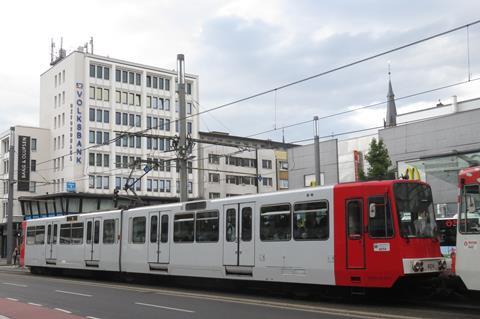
438 142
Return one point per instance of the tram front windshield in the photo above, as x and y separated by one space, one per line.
415 210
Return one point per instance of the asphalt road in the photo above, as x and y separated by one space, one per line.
74 298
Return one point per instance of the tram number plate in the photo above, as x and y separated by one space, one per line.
381 247
430 265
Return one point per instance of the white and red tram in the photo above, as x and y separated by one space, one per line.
367 234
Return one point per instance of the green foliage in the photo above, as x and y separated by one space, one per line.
379 161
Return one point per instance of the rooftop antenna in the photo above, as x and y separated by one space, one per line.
91 45
52 48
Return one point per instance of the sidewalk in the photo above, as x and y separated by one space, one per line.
4 266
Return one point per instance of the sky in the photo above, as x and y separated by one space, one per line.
243 47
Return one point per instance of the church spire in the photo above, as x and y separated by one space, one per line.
391 119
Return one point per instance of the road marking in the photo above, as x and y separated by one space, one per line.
13 284
90 317
72 293
62 310
238 300
12 299
35 304
163 307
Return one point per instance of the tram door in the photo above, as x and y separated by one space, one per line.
92 239
238 246
355 234
158 246
51 247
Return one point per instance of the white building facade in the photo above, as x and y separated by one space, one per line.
31 149
232 165
90 103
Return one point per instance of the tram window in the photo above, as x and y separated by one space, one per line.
183 228
89 232
470 210
231 225
275 223
153 228
164 229
109 231
49 234
39 235
77 233
246 223
206 228
31 235
55 233
310 221
354 219
96 232
380 225
138 230
65 234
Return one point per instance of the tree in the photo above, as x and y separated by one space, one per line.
379 162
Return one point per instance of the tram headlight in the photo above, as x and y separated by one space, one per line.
418 266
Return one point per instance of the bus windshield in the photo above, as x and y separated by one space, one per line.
415 210
470 209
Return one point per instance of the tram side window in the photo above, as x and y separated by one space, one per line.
39 235
247 223
55 233
77 233
231 225
354 219
138 230
275 222
164 230
153 228
96 232
89 232
109 231
71 234
470 210
65 234
31 235
183 228
49 234
310 221
380 223
206 228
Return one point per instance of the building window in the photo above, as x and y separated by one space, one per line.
33 144
118 97
189 88
137 100
92 93
214 177
213 159
124 77
106 95
106 73
267 164
106 116
92 72
267 181
99 94
131 78
99 72
149 81
167 85
33 165
118 75
213 195
33 187
138 79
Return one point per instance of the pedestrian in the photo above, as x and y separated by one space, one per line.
15 255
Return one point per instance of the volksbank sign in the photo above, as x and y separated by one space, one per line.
79 94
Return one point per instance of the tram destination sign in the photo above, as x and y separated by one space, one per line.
23 177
